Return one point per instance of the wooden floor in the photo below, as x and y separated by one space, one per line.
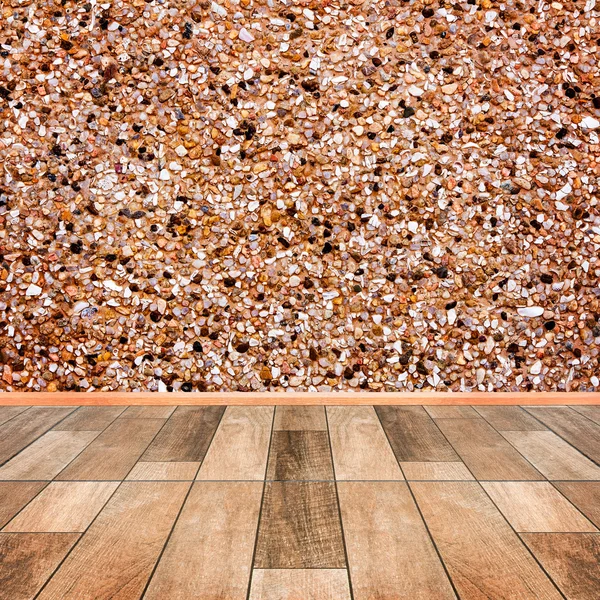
300 503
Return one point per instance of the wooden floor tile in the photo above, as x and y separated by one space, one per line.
64 507
414 436
300 418
14 495
436 471
451 412
591 412
535 506
240 448
484 556
300 527
90 418
164 471
209 554
571 559
115 557
509 418
9 412
485 452
300 455
359 445
300 584
585 495
28 559
390 554
148 412
114 452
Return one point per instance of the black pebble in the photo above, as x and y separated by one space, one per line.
186 387
327 248
197 347
409 111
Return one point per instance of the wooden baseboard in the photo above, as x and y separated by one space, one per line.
298 398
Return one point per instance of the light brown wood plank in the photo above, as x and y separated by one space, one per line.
390 554
359 445
483 555
240 447
300 455
9 412
164 471
509 418
414 436
64 507
300 418
300 584
552 456
209 554
585 495
27 560
47 456
148 412
300 527
536 506
90 418
115 557
485 452
451 412
25 428
591 412
114 452
14 495
186 435
436 471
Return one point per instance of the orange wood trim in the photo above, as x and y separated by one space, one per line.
314 398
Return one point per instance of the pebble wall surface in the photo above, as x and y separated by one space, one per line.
319 195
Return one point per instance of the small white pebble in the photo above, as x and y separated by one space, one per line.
33 290
531 311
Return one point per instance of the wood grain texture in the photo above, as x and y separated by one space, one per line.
509 418
585 495
148 412
591 412
359 445
164 471
25 428
240 447
47 456
436 471
552 456
536 506
90 418
390 554
485 452
28 559
115 557
300 527
14 495
414 436
186 435
300 584
64 507
114 452
451 412
300 455
9 412
300 418
209 554
483 555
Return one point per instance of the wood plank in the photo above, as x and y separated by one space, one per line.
571 559
390 554
591 412
209 554
359 445
552 456
414 436
300 418
451 412
300 527
485 452
90 418
47 456
483 555
115 557
164 471
9 412
186 435
148 412
14 495
536 506
64 507
509 418
436 471
28 559
300 455
240 447
114 452
25 428
300 584
585 495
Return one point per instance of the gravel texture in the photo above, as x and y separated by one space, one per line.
303 195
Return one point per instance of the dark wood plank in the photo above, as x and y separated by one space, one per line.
452 412
186 435
485 452
14 495
300 418
300 527
509 418
571 559
90 418
148 412
591 412
9 412
585 495
414 436
25 428
115 557
114 452
28 559
297 455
